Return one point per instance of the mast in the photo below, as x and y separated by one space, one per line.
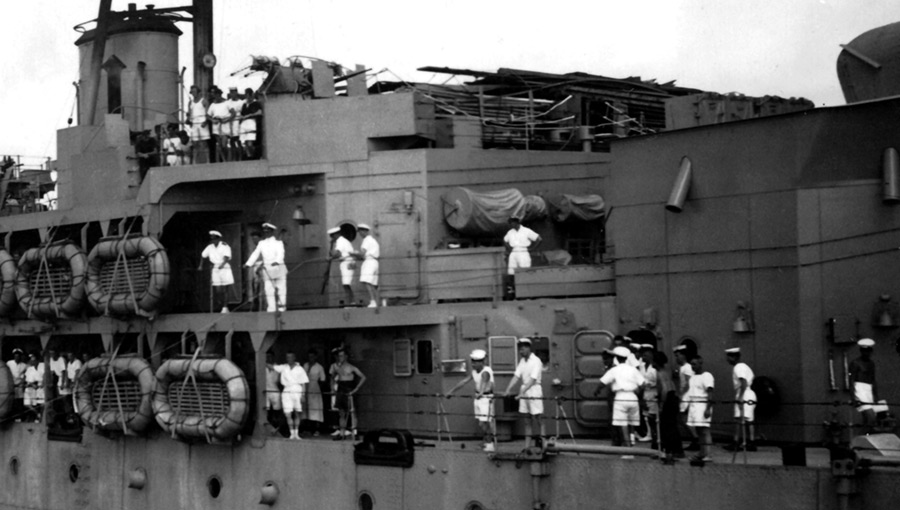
99 47
203 44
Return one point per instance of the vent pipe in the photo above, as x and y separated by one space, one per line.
890 167
681 188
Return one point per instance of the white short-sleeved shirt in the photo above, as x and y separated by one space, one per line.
652 377
698 385
292 377
530 370
271 251
741 371
17 369
58 366
342 245
216 253
370 247
521 238
72 368
685 372
35 374
623 377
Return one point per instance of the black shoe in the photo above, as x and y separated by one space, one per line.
693 447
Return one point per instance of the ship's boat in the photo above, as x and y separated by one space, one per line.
7 283
201 398
113 394
127 276
50 281
7 391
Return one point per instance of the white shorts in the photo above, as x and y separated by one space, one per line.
292 401
199 131
749 409
626 409
484 408
248 130
221 128
222 276
368 272
347 270
519 259
695 416
273 400
532 402
862 392
34 396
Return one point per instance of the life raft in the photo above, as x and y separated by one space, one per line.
114 394
7 283
7 391
50 281
127 276
201 398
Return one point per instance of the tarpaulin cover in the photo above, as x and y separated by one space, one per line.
576 207
476 214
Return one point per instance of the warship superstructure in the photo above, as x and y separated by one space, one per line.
667 214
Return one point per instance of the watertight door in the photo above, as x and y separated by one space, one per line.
588 367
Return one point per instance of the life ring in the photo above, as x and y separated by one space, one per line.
7 391
213 405
7 283
109 402
137 283
58 289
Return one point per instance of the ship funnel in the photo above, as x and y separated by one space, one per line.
681 188
890 167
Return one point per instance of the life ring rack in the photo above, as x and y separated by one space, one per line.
58 289
113 394
7 283
139 276
201 398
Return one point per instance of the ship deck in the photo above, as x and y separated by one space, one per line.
768 455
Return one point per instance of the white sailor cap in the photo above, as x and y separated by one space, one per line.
867 343
621 351
679 348
363 226
215 233
648 347
524 340
478 355
733 350
18 351
269 226
334 230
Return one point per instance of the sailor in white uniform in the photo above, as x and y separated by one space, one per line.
343 250
368 272
271 251
219 254
518 240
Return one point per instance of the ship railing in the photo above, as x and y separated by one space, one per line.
435 415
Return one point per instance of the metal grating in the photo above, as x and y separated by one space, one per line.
129 391
54 280
115 281
212 398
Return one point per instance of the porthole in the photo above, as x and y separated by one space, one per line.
474 505
366 501
14 465
215 486
73 472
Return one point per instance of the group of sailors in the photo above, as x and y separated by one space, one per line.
216 129
28 382
296 391
266 265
